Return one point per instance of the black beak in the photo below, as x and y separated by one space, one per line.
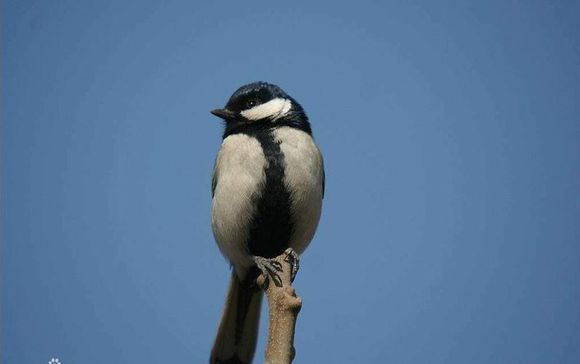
224 114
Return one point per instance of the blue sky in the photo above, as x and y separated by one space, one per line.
450 230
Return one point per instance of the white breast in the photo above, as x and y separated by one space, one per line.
303 175
239 172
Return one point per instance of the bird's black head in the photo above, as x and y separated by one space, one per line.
262 105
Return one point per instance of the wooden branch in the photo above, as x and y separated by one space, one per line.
283 308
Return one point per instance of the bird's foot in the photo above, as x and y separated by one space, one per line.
270 268
294 260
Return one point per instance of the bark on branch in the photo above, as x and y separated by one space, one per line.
283 308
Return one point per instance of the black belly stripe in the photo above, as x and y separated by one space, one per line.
271 225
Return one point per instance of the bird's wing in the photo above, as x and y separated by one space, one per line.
323 181
214 177
323 173
214 183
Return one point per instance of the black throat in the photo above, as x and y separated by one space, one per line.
296 119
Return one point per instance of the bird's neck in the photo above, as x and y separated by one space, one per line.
266 126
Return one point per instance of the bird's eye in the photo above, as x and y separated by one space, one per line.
251 103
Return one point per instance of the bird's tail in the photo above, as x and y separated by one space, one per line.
238 330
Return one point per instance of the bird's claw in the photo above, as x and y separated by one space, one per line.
270 268
292 258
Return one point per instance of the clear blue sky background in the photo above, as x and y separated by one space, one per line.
451 132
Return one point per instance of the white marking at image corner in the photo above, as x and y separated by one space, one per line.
54 361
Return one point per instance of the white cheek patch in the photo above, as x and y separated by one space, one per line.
272 109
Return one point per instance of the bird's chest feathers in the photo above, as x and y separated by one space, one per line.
302 160
285 154
268 191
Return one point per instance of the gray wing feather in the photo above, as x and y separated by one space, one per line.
214 177
214 183
323 181
323 173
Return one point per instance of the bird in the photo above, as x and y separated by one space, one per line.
267 190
